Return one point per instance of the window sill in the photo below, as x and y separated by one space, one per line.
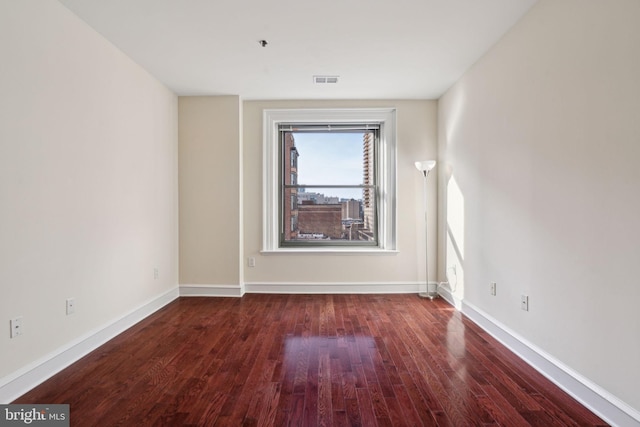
331 251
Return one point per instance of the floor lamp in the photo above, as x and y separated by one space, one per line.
425 167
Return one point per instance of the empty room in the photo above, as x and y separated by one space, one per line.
362 213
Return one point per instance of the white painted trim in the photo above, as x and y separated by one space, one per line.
18 383
212 290
450 298
595 398
332 250
332 288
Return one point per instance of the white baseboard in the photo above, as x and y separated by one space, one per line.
595 398
450 298
212 290
18 383
332 288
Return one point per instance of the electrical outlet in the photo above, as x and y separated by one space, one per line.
156 273
16 326
493 288
252 261
71 306
524 302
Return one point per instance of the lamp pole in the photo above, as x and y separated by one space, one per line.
425 167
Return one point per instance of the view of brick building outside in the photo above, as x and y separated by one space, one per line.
290 198
320 219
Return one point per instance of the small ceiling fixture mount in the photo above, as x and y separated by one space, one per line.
263 43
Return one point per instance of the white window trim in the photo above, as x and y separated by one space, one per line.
386 167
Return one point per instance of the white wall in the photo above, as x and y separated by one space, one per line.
221 205
540 141
210 190
88 181
417 135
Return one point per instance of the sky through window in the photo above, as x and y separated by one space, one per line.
331 158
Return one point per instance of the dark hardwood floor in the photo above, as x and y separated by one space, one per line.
307 360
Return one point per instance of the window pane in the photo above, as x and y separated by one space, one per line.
330 215
328 186
331 158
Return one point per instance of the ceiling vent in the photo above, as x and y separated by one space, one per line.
325 79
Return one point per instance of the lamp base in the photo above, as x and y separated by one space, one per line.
431 291
429 295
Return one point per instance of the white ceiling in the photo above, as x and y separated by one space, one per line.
381 49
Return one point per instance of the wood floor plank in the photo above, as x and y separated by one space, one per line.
409 412
325 406
307 360
501 410
353 412
337 383
365 407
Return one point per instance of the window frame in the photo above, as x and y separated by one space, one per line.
384 168
356 128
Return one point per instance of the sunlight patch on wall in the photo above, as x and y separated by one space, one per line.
455 238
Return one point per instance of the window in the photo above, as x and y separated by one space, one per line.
329 180
334 181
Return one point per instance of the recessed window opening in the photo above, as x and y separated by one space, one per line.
329 180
